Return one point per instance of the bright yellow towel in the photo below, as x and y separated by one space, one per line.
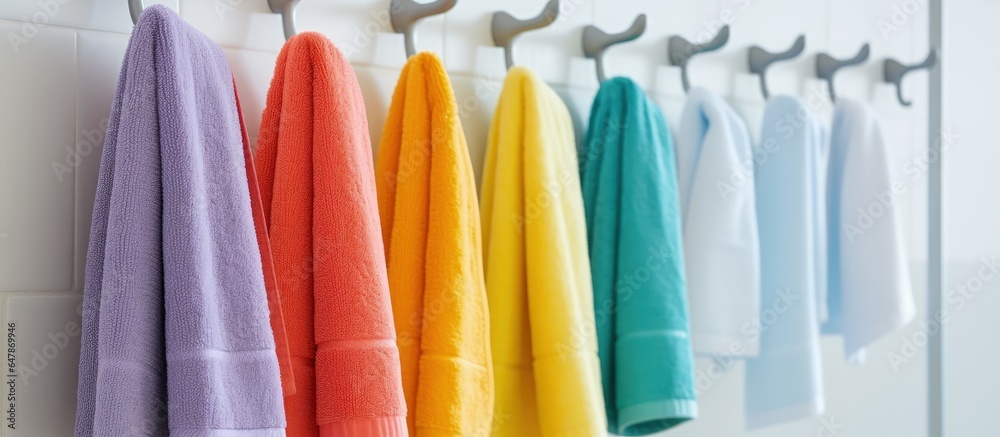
544 343
430 226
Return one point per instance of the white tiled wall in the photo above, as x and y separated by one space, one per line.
971 96
57 84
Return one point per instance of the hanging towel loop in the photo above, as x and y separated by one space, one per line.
287 10
827 65
680 51
404 15
894 71
760 59
596 41
505 27
314 164
135 9
431 228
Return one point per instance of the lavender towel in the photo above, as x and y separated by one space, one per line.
176 338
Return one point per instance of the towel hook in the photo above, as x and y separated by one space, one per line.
827 65
505 27
680 51
404 15
596 41
135 9
760 59
287 10
894 72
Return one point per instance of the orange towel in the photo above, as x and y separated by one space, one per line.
317 185
430 225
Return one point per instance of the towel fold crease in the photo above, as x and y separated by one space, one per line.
318 190
537 273
636 254
716 184
431 230
175 336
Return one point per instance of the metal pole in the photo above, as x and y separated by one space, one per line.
935 244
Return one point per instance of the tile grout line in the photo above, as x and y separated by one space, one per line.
76 173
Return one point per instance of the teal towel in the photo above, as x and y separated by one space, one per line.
634 232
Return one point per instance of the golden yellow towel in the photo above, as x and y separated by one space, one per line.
430 226
548 378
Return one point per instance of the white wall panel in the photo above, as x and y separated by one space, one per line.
107 15
973 241
38 81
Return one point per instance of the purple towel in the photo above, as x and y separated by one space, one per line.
176 337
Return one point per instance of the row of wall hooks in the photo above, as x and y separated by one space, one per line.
827 65
505 27
405 14
759 59
596 41
894 71
680 51
287 10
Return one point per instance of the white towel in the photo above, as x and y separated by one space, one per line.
715 181
784 382
869 293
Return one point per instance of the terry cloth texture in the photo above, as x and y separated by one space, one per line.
430 226
636 254
176 336
537 274
784 382
318 189
715 180
870 293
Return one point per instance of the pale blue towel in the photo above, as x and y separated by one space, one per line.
784 382
721 254
870 293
